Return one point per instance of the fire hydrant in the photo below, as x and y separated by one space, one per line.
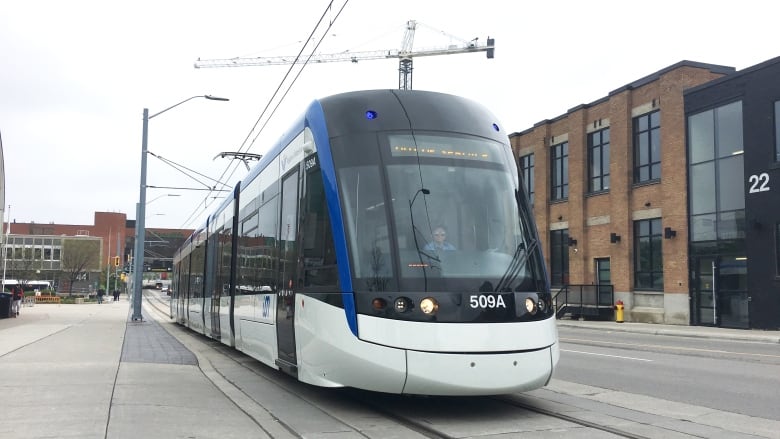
619 311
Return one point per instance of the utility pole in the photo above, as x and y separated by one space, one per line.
140 219
5 245
108 261
116 266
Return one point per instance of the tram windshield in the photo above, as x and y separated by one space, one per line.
441 214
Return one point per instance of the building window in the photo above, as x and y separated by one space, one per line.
648 262
598 161
777 247
527 172
777 131
716 190
647 147
559 177
559 257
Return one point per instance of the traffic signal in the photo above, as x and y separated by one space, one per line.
116 261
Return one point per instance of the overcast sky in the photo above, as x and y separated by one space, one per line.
76 76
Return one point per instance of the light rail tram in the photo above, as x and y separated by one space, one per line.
385 243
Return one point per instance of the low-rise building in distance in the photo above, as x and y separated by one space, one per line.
77 258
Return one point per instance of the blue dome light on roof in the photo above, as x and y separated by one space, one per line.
371 115
495 127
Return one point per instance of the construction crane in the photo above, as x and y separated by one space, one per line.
405 55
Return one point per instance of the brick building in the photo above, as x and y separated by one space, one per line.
113 228
115 232
608 186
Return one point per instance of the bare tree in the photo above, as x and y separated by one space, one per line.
79 256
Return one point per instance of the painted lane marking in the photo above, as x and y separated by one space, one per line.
678 348
607 355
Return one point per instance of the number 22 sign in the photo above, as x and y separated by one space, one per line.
759 182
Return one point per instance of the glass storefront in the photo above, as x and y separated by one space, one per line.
718 264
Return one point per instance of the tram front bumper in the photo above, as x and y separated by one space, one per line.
479 374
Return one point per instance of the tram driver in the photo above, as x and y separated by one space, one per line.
440 242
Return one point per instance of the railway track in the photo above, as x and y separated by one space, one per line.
346 410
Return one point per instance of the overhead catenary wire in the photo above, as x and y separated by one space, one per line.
181 168
244 146
287 74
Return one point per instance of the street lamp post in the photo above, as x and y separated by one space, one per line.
140 226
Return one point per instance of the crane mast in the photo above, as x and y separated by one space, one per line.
405 55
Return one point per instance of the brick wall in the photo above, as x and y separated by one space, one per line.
591 218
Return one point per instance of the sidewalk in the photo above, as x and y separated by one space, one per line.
87 371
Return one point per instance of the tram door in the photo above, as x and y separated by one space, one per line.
288 257
216 285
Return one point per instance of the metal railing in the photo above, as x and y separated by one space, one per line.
595 301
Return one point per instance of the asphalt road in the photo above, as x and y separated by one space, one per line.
733 376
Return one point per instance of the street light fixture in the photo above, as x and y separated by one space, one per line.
140 226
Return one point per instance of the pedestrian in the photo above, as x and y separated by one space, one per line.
101 292
116 295
18 295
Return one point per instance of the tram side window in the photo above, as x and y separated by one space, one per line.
319 254
266 250
186 275
212 267
197 260
226 254
247 260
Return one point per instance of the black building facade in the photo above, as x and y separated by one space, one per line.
733 149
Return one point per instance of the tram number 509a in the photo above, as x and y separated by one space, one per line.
486 301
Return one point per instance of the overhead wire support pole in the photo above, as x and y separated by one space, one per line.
108 263
140 226
140 221
5 244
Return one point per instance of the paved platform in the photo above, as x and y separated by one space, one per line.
89 371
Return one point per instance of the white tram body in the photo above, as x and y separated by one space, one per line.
324 261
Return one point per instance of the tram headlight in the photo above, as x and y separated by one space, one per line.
429 305
530 306
403 304
542 305
379 303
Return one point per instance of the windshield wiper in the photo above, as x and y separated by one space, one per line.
516 264
420 253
